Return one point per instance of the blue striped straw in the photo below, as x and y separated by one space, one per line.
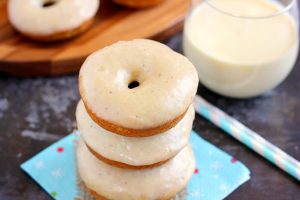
248 137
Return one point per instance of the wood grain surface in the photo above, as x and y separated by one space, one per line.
23 57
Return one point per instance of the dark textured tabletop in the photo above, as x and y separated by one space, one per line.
35 112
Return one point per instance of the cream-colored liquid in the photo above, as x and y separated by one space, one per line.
241 57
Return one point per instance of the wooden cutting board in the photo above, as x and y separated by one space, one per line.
22 57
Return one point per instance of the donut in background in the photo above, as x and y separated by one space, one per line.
51 20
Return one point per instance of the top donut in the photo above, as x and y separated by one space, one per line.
137 88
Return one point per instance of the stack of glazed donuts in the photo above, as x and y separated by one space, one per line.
135 119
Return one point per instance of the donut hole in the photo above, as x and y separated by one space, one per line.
133 84
48 3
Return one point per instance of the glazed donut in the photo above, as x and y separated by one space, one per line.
48 20
162 182
138 3
137 88
130 152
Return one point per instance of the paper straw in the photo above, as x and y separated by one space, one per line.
248 137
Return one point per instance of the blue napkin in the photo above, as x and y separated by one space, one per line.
217 174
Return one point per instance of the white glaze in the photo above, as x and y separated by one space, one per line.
134 151
29 16
168 83
148 184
